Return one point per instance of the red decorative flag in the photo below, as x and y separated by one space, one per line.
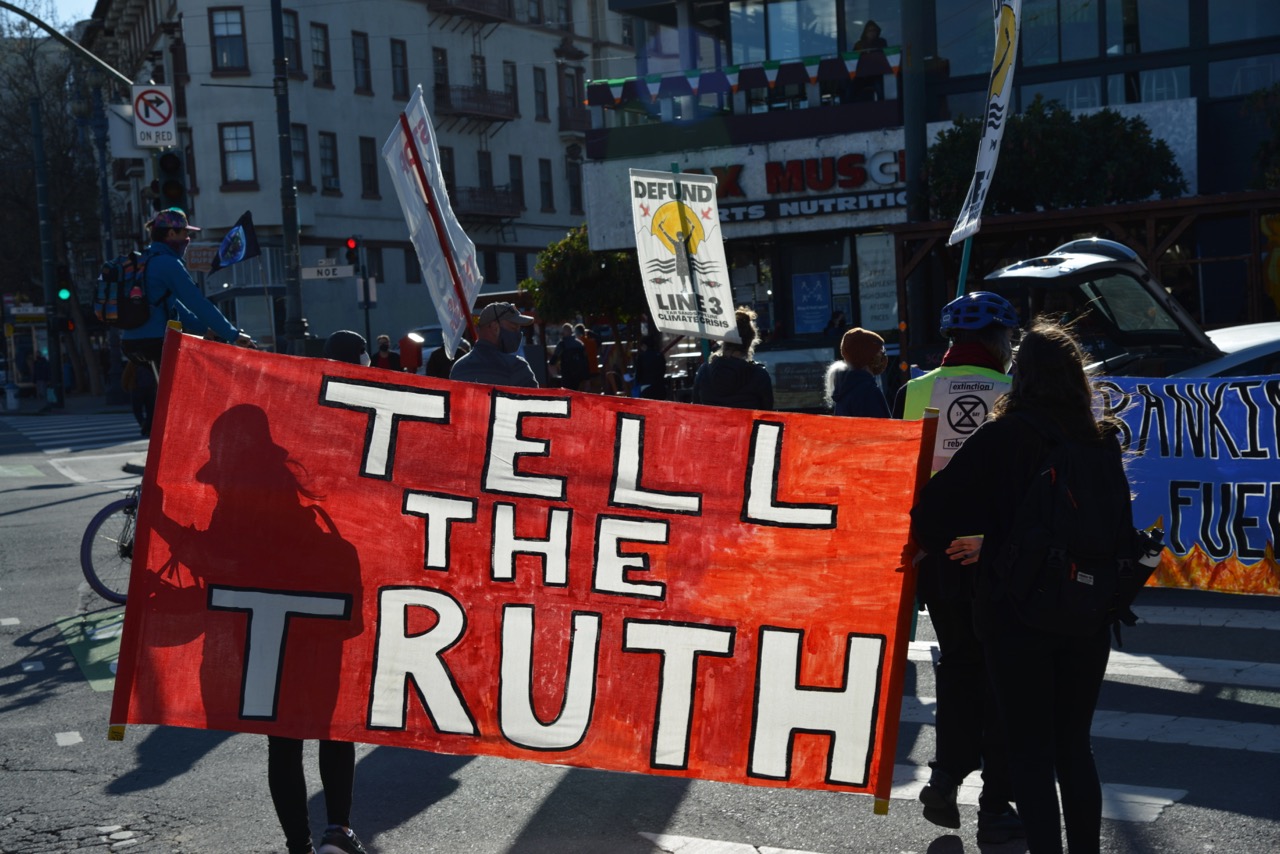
330 551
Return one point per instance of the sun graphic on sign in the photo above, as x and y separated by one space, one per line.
676 225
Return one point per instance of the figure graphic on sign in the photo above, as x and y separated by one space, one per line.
678 230
257 524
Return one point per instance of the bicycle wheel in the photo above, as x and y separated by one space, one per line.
106 550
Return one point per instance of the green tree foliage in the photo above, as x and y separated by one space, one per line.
1052 159
575 280
1265 103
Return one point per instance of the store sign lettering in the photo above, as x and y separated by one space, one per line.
813 174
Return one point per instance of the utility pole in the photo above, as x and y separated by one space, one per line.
295 325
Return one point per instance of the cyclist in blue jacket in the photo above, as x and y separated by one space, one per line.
173 294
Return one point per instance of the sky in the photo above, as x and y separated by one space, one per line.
71 11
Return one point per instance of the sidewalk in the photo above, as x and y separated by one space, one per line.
82 403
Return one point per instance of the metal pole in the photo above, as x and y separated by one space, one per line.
295 325
66 42
46 252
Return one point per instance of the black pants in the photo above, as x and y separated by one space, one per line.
288 786
967 721
1047 688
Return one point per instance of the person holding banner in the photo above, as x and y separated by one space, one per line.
980 328
730 377
493 358
1046 685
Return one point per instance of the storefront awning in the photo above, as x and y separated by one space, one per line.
732 78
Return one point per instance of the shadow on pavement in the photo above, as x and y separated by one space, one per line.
167 753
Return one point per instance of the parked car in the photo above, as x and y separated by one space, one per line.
1127 321
1252 350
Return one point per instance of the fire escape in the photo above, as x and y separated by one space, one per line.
475 109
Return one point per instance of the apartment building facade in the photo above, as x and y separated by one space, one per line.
504 81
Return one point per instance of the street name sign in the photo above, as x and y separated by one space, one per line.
330 271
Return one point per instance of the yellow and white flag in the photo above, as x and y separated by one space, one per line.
1008 18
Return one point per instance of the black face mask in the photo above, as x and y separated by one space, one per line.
384 347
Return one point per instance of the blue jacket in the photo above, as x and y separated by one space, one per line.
856 393
172 293
487 364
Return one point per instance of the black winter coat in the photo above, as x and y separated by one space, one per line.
737 383
978 493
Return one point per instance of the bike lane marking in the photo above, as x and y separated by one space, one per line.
94 641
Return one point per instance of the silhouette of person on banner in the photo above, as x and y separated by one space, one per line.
259 527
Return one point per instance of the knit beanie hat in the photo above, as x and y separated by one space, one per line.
861 347
344 346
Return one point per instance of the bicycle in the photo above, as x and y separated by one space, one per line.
106 549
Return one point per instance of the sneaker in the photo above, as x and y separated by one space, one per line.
340 840
939 799
996 827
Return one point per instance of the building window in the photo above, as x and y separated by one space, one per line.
490 266
1143 26
484 168
545 186
329 163
446 167
515 169
535 11
226 28
369 168
399 69
541 111
360 63
628 36
440 75
237 154
1236 77
479 73
412 269
321 65
522 267
564 14
573 171
301 155
510 86
1239 20
292 44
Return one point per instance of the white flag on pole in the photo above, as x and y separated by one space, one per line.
1008 17
445 253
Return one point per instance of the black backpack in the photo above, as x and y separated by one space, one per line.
120 296
1071 563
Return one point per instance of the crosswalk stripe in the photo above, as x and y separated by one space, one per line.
64 434
1141 726
1218 671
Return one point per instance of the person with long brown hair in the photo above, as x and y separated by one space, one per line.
1046 684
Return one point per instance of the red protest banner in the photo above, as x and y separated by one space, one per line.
330 551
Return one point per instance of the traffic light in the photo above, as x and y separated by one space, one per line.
64 294
353 250
171 181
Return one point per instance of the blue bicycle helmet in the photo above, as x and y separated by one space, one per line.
977 310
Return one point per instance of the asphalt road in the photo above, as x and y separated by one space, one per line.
1187 734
